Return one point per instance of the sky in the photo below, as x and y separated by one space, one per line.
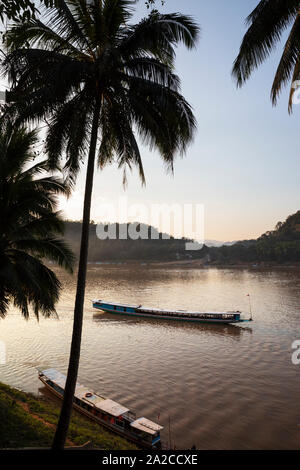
243 165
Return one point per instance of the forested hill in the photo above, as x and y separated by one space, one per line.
158 249
286 231
282 245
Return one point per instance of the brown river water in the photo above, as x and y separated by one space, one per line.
220 387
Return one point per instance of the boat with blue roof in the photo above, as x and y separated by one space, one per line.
175 315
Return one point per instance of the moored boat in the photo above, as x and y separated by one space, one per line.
110 414
179 315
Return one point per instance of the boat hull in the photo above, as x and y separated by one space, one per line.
105 424
166 317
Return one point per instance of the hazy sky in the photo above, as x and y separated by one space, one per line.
243 165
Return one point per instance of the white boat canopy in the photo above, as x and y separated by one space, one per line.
56 377
111 407
145 425
81 392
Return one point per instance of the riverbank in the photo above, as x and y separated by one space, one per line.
28 421
196 264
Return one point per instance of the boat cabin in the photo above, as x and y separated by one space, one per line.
106 411
115 308
147 429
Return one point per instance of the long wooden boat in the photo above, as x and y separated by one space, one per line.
110 414
179 315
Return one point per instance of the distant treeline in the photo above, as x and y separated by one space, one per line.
281 245
156 247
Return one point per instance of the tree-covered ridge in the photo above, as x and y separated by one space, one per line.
280 245
285 231
158 248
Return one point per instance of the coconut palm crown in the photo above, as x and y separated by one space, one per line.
86 57
267 23
30 228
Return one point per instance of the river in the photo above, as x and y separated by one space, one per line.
213 386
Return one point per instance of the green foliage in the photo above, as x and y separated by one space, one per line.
20 429
267 23
30 228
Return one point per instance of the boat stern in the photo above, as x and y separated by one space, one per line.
149 431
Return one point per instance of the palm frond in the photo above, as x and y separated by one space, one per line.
163 117
67 24
53 249
158 35
289 59
29 227
266 25
41 80
153 70
118 140
36 34
69 130
115 14
38 286
39 227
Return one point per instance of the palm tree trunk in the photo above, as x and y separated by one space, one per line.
66 410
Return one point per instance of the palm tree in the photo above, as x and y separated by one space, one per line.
93 74
267 22
29 228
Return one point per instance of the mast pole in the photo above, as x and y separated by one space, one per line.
170 444
250 306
